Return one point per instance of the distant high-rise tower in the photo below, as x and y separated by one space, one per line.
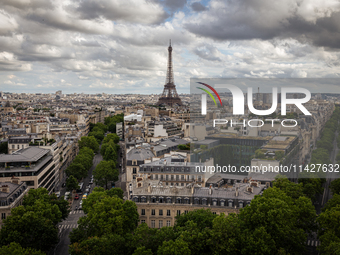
169 95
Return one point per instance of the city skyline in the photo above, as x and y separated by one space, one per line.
117 48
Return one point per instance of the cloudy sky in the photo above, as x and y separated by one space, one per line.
120 46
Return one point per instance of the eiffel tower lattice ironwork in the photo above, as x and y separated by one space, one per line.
169 95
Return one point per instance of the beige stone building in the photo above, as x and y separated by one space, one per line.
158 205
11 196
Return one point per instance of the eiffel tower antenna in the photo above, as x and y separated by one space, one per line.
169 95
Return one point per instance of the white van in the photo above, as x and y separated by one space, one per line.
67 194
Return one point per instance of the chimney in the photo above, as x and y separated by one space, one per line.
15 180
149 188
192 189
236 194
5 188
210 189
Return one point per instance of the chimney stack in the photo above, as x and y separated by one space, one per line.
5 188
149 188
210 189
15 180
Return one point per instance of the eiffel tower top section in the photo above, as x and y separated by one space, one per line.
169 72
169 95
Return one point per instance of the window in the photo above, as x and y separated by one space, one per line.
178 212
13 146
153 212
160 224
153 224
142 221
3 216
214 202
134 170
168 223
160 212
186 211
168 213
143 212
214 212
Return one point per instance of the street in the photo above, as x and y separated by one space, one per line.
66 226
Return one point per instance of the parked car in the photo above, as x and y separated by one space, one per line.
87 190
76 197
57 194
81 202
80 207
63 185
91 181
67 195
84 196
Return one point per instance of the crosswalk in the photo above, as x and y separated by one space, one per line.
311 242
66 226
77 212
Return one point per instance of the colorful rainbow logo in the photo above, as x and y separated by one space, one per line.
208 92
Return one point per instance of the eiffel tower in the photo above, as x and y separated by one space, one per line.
169 95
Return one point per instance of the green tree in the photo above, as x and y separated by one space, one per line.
279 155
105 172
281 218
226 235
110 154
77 170
16 249
259 153
111 137
88 141
329 231
4 148
335 186
110 215
333 202
32 226
98 134
290 188
71 183
98 194
42 194
115 192
203 218
108 144
142 251
177 247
